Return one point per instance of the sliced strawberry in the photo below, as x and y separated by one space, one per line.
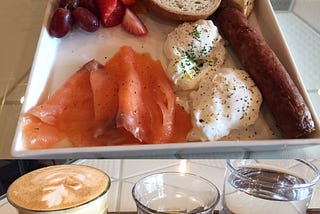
111 11
128 2
133 24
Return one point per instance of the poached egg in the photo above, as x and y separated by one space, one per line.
191 49
226 99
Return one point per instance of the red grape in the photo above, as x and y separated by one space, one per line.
61 23
90 5
69 4
85 19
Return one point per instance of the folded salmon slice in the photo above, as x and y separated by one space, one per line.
71 102
40 135
147 106
70 108
105 94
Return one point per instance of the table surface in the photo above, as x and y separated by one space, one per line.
125 173
20 32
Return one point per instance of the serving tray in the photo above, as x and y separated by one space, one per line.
57 59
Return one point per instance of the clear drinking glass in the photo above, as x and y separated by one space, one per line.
67 189
174 192
268 186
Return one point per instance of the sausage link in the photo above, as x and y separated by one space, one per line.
278 89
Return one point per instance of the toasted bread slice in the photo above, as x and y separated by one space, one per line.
245 6
183 10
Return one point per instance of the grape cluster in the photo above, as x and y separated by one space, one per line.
84 13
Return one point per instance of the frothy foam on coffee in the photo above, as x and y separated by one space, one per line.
55 195
58 187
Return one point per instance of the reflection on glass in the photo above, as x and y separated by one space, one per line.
183 166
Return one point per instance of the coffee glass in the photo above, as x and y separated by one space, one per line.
268 186
174 192
67 189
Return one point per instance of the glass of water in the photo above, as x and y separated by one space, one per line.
174 192
268 186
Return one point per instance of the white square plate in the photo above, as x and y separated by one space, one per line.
56 60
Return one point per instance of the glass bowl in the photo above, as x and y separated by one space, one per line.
174 192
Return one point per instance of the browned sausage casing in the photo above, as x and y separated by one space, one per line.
279 91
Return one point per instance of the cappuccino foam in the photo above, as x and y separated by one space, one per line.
58 187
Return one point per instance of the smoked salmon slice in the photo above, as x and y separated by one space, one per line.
130 100
72 102
40 135
70 108
147 106
70 114
105 94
